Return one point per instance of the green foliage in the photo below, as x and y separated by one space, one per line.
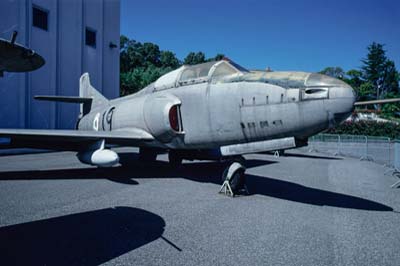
380 71
142 64
368 128
151 54
354 78
168 59
218 57
381 79
377 78
194 58
391 77
335 72
390 108
374 63
197 58
365 91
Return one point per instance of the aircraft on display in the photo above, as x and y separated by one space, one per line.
18 58
213 111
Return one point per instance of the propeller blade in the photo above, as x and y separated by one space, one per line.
377 101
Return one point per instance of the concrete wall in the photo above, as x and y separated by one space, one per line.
67 57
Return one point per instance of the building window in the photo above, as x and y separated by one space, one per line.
90 37
40 18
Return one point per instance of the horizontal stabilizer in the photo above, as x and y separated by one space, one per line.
89 97
65 99
393 100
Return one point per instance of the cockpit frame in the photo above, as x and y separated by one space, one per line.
201 73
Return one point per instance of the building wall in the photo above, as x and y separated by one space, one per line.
67 57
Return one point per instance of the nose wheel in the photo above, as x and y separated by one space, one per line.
234 181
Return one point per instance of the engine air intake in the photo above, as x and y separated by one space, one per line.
175 118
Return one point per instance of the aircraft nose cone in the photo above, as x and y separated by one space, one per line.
342 103
342 92
341 96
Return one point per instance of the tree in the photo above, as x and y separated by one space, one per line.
151 54
194 58
374 64
168 59
335 72
124 61
142 64
218 57
391 78
130 54
389 109
123 41
130 81
380 71
354 78
366 91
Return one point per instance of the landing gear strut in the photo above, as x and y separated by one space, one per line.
279 153
174 158
234 181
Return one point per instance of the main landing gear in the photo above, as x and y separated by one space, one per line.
234 180
174 158
147 155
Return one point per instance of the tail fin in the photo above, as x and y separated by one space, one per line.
86 90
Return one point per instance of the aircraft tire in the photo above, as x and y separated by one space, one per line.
238 180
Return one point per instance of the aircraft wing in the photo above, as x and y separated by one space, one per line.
73 139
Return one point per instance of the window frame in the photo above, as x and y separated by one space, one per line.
91 30
43 10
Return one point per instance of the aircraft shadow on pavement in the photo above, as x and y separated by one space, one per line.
88 238
298 193
206 172
197 171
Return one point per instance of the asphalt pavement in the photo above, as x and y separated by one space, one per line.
303 209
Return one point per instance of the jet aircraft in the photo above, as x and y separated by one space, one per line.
215 110
18 58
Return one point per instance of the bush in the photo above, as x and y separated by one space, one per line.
368 128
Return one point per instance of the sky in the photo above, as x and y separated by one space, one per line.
304 35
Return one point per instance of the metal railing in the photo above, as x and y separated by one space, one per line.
378 149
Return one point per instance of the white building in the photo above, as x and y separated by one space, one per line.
73 36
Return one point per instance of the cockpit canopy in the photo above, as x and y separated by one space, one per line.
200 73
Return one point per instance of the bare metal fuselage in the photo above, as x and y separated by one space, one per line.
213 113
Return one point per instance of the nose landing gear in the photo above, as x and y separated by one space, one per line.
234 181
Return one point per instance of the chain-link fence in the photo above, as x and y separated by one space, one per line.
378 149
